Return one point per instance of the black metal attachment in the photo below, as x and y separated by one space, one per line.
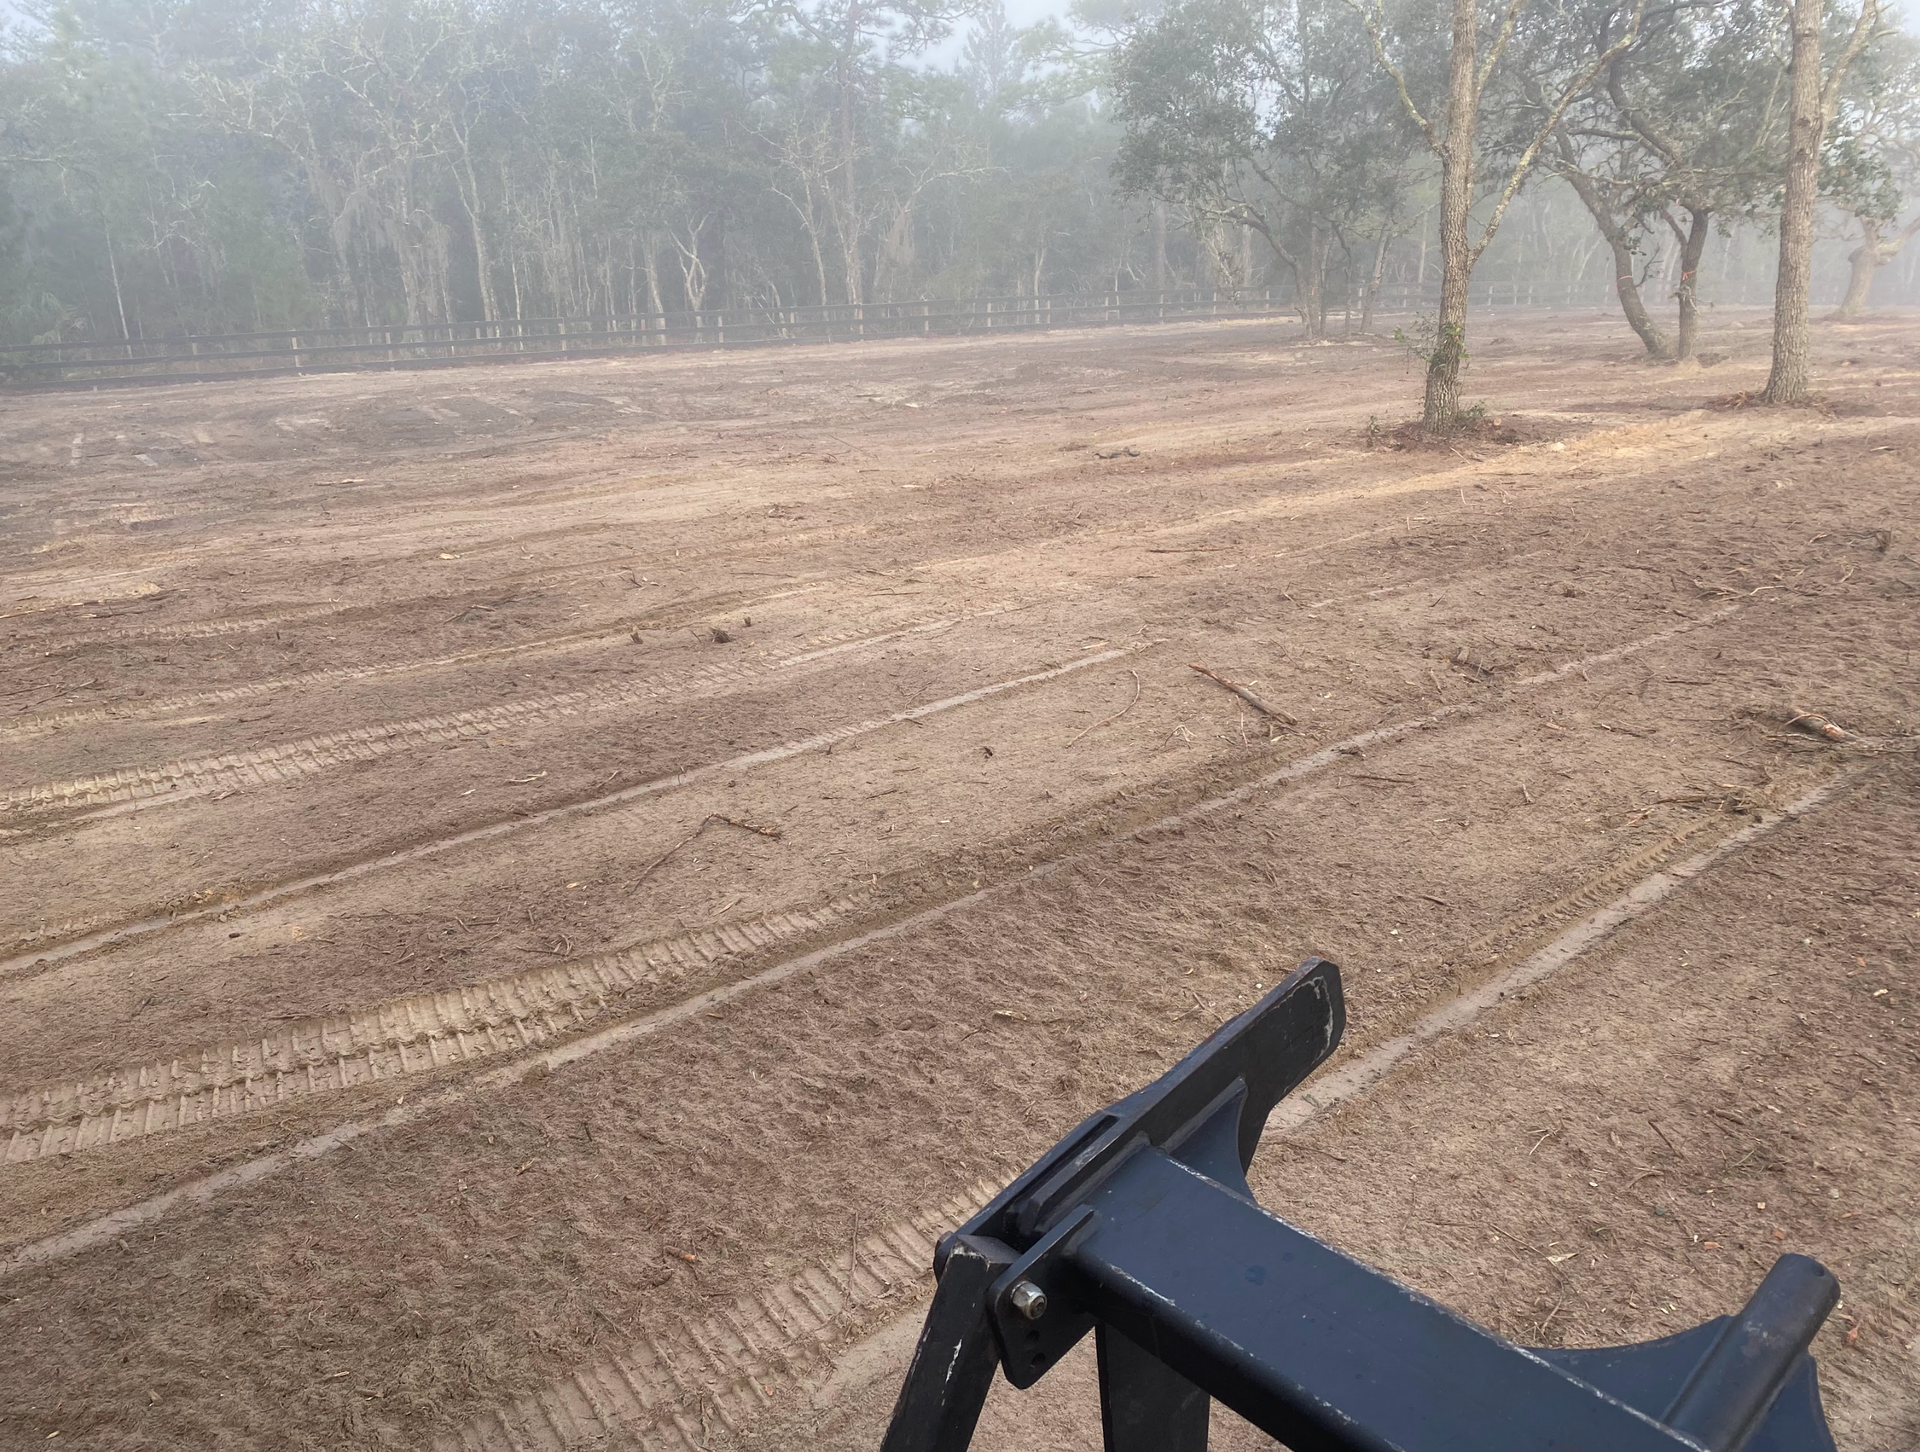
1139 1226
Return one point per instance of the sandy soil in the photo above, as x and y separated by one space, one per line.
537 892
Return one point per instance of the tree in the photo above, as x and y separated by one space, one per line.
1607 195
1541 67
846 51
1683 128
1814 98
206 166
1873 158
1268 116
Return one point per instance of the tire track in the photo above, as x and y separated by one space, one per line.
659 1392
1526 927
587 1407
37 958
413 1108
135 788
248 690
426 1032
1360 1072
52 722
1549 469
195 629
416 1034
517 584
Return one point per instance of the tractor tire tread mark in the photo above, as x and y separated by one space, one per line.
412 1035
732 1361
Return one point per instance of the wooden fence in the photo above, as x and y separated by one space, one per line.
428 345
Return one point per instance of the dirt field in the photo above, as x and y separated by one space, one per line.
535 893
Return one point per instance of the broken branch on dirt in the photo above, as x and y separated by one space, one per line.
1246 695
1814 724
1117 714
705 822
1810 723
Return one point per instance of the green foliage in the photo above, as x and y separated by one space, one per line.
216 165
190 166
1872 154
1270 115
1424 336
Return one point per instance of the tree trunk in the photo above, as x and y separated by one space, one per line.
119 298
1790 378
819 264
849 225
482 261
1159 250
1699 224
1372 297
1866 260
1874 253
1631 303
650 269
1311 284
1442 406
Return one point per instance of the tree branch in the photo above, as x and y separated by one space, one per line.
1370 19
1573 89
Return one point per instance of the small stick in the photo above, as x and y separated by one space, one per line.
1117 714
1516 1239
853 1252
1303 1144
1814 724
1244 694
705 822
1202 1007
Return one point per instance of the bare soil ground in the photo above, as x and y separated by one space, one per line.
535 893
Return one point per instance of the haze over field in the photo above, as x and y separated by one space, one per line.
208 166
644 644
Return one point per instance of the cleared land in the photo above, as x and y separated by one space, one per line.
535 893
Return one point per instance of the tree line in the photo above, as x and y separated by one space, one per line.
180 166
1329 127
172 167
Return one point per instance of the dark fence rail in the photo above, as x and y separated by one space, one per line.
426 345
